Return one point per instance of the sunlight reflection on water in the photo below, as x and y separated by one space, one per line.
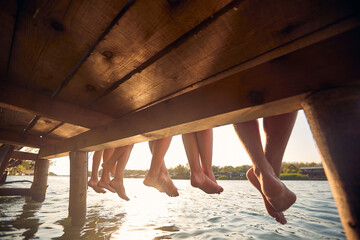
237 213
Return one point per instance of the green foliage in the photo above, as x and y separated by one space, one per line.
181 172
222 178
135 173
293 176
17 170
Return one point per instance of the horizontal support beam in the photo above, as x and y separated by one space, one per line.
24 100
24 156
14 191
19 139
268 89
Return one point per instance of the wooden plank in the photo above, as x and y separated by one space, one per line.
7 21
24 156
24 100
33 35
53 36
232 39
14 120
271 88
14 191
43 126
19 139
323 34
66 131
147 28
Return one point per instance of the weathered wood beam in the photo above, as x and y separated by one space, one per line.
22 99
14 191
39 186
19 139
24 156
78 187
334 118
271 88
6 160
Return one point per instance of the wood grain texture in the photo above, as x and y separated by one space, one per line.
146 29
268 89
25 100
40 183
334 117
66 131
19 139
24 156
14 120
53 36
7 21
235 37
78 187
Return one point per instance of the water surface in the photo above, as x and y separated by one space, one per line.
237 213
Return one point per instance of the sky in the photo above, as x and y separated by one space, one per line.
227 150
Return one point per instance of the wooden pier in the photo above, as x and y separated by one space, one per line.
79 76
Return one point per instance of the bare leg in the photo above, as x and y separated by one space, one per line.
255 136
117 183
198 178
205 145
106 157
278 130
275 192
94 179
158 176
109 161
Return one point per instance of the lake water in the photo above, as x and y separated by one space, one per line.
237 213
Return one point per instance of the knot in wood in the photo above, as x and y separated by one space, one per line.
90 88
107 54
57 26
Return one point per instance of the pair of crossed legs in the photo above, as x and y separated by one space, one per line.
114 160
265 173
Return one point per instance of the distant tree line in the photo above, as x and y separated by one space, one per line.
289 170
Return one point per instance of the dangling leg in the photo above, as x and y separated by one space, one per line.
117 183
109 161
94 179
276 193
278 130
198 178
158 176
205 145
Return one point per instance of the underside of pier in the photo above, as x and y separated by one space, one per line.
79 76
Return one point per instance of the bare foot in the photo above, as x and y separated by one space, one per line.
276 193
204 183
119 188
93 183
212 178
105 185
163 183
279 216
